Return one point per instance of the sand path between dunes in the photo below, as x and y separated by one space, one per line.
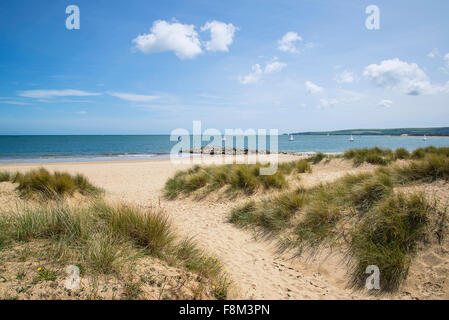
255 268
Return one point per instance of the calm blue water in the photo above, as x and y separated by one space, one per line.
99 148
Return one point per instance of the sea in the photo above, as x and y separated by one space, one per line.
80 148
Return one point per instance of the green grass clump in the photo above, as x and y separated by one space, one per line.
299 166
387 237
151 231
431 168
421 153
317 158
376 156
46 275
371 190
5 176
103 237
303 166
271 215
319 219
381 228
244 215
402 154
50 185
244 178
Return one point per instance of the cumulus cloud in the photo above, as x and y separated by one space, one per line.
325 103
257 71
407 77
180 38
312 87
133 97
254 76
344 77
288 42
275 66
385 103
39 94
446 58
221 34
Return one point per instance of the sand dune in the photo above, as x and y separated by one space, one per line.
256 269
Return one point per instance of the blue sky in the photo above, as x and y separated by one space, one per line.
145 67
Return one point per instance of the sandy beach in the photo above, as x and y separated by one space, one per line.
256 269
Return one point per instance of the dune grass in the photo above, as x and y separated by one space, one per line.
432 167
244 178
401 154
272 215
317 158
383 157
40 182
5 176
388 236
421 153
104 238
361 212
374 155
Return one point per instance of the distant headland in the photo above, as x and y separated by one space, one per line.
443 131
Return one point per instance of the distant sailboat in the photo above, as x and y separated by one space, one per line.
424 138
351 139
179 138
328 135
223 139
291 138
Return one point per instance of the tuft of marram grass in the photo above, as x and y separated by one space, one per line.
5 176
374 155
385 228
432 167
104 237
244 178
271 215
50 185
317 158
421 153
401 153
387 237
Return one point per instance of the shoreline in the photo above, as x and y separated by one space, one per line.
159 158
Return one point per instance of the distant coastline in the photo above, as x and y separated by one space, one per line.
413 132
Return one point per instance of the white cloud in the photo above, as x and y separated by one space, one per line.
274 67
56 93
254 76
288 42
133 97
312 87
19 103
82 112
325 103
257 71
344 77
435 53
182 39
221 34
446 58
407 77
385 103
